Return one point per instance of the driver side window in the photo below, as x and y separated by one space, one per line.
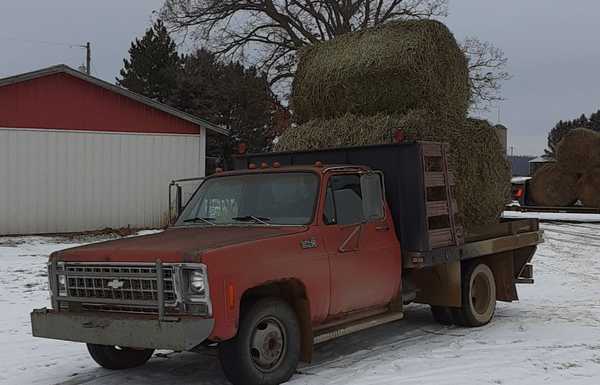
343 201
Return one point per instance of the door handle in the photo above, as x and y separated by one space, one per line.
382 228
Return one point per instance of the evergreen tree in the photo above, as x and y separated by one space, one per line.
563 127
229 95
594 122
153 63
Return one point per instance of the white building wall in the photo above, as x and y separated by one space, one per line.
54 181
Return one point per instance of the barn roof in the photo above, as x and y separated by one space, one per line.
64 69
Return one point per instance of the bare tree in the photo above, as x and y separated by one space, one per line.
487 72
269 33
274 30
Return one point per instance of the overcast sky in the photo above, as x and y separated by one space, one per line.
553 48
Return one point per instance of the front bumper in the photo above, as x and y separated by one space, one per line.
121 330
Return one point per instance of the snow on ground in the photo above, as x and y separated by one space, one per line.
559 217
552 336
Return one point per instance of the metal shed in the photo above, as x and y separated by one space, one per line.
78 154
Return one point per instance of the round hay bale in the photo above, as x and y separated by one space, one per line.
392 68
579 150
552 185
588 188
476 155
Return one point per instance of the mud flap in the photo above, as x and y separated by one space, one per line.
439 285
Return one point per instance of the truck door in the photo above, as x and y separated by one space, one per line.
364 254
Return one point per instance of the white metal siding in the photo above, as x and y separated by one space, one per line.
55 181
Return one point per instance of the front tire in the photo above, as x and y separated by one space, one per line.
266 350
117 358
478 297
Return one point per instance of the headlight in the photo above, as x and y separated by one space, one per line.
196 291
62 285
197 282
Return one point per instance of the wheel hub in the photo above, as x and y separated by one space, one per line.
267 344
480 294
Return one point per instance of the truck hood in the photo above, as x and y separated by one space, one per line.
173 245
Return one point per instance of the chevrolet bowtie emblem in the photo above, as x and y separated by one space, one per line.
115 284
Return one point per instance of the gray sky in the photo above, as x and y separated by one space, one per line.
553 48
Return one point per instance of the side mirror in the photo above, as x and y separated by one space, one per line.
371 186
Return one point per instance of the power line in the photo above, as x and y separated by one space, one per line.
87 47
45 42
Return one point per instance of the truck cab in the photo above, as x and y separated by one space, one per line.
265 261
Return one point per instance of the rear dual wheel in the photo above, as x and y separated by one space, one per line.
478 299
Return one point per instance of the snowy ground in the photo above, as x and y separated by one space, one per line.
555 217
552 336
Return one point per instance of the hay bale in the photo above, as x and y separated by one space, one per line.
552 185
476 153
579 150
588 188
393 68
347 130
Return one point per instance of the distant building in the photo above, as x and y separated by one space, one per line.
520 165
536 163
78 153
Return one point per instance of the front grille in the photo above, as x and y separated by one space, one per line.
119 286
120 308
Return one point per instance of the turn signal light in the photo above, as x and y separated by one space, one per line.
264 165
251 166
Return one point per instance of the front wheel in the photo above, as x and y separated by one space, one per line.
478 297
266 350
116 357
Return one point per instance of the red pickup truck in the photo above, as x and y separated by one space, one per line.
289 250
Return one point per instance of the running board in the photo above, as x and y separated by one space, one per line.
356 326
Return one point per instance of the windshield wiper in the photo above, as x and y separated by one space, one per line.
200 219
247 218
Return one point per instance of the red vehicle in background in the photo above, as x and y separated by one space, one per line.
287 251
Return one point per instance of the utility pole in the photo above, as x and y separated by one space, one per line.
88 58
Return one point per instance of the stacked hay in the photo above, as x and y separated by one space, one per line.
588 188
393 68
553 186
575 175
476 156
347 130
362 87
579 150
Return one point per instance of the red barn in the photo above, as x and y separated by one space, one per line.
78 153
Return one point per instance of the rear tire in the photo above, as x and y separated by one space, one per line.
117 358
266 350
478 297
442 315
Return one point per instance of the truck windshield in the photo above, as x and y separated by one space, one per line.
265 199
